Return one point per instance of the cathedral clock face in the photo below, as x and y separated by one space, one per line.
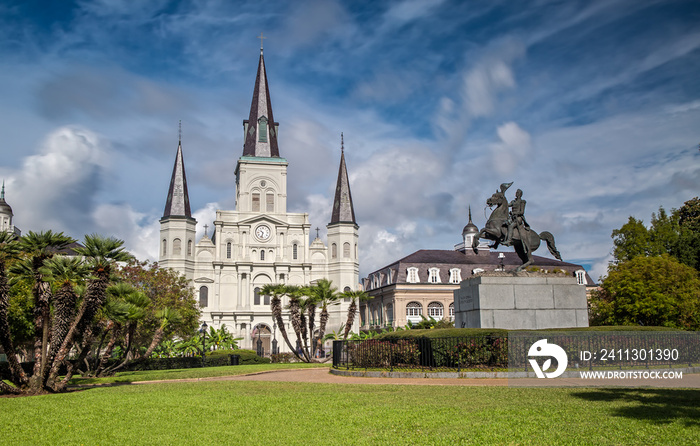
262 232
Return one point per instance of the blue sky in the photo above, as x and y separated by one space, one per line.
592 108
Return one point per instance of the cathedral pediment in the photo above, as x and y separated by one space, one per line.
263 218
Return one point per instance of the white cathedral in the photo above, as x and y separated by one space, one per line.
259 242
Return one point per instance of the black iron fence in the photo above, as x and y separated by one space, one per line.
478 352
584 350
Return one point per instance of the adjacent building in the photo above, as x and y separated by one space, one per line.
422 283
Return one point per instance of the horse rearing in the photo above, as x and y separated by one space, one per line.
524 240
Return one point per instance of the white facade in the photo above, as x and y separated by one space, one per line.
258 243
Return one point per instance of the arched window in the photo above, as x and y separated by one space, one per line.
262 255
270 202
435 310
256 296
165 246
389 315
334 251
203 297
189 247
452 311
256 201
295 251
346 250
177 246
228 250
413 311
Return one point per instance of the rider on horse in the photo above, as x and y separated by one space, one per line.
516 218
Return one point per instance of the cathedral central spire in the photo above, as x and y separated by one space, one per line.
260 128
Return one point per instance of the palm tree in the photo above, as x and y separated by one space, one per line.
66 273
167 316
9 249
295 297
135 303
276 292
40 247
354 297
326 295
101 253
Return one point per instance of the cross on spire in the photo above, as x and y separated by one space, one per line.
317 229
179 131
261 41
205 230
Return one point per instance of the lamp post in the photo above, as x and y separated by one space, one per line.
259 343
274 338
203 331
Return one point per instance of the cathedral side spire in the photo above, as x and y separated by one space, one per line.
260 128
178 201
343 210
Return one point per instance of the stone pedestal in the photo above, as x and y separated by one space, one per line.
520 301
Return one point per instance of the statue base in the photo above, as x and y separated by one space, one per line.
520 301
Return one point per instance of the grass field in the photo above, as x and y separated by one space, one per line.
205 372
265 413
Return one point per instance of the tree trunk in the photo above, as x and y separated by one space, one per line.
116 332
322 328
93 299
277 314
352 310
296 324
160 333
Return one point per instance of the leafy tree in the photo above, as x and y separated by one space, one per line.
326 295
631 240
166 289
653 291
676 234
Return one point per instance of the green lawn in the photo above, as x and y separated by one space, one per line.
237 412
204 372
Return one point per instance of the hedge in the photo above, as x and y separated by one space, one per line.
438 333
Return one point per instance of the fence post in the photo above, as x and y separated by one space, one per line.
337 351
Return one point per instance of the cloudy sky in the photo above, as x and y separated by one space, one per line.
591 107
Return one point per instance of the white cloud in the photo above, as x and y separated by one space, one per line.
511 150
205 216
139 231
56 188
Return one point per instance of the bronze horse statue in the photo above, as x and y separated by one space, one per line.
524 240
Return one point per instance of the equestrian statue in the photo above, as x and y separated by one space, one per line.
511 229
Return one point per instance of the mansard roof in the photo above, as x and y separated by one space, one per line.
178 202
445 260
343 210
261 110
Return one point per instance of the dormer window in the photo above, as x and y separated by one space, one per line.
412 275
581 277
434 275
455 275
262 129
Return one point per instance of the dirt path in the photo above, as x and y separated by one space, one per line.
322 375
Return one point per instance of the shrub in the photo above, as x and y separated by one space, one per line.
283 358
